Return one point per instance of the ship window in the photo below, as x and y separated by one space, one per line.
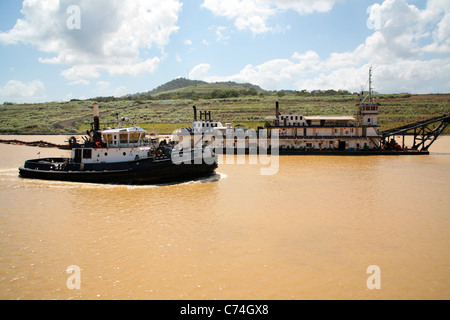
134 138
124 138
108 138
87 153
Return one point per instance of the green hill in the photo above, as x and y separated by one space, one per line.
182 88
176 84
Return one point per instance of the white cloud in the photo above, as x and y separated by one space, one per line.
19 92
407 32
135 69
78 82
120 91
78 72
111 37
103 85
222 33
199 71
253 15
412 76
397 49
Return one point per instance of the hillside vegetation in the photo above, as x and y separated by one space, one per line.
169 107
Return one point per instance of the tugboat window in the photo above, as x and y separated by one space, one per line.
134 138
109 139
87 153
124 139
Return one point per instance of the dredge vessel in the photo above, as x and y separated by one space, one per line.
297 134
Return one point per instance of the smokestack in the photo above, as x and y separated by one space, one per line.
195 113
97 135
277 110
96 113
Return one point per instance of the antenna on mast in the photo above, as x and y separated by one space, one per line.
370 86
369 95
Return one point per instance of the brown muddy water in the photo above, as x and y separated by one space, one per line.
308 232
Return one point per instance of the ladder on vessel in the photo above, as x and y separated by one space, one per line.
424 132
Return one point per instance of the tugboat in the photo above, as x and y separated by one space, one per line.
123 155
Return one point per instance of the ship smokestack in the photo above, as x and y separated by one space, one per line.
97 135
277 110
195 113
96 113
96 117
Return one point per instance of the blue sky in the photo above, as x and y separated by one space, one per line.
57 50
